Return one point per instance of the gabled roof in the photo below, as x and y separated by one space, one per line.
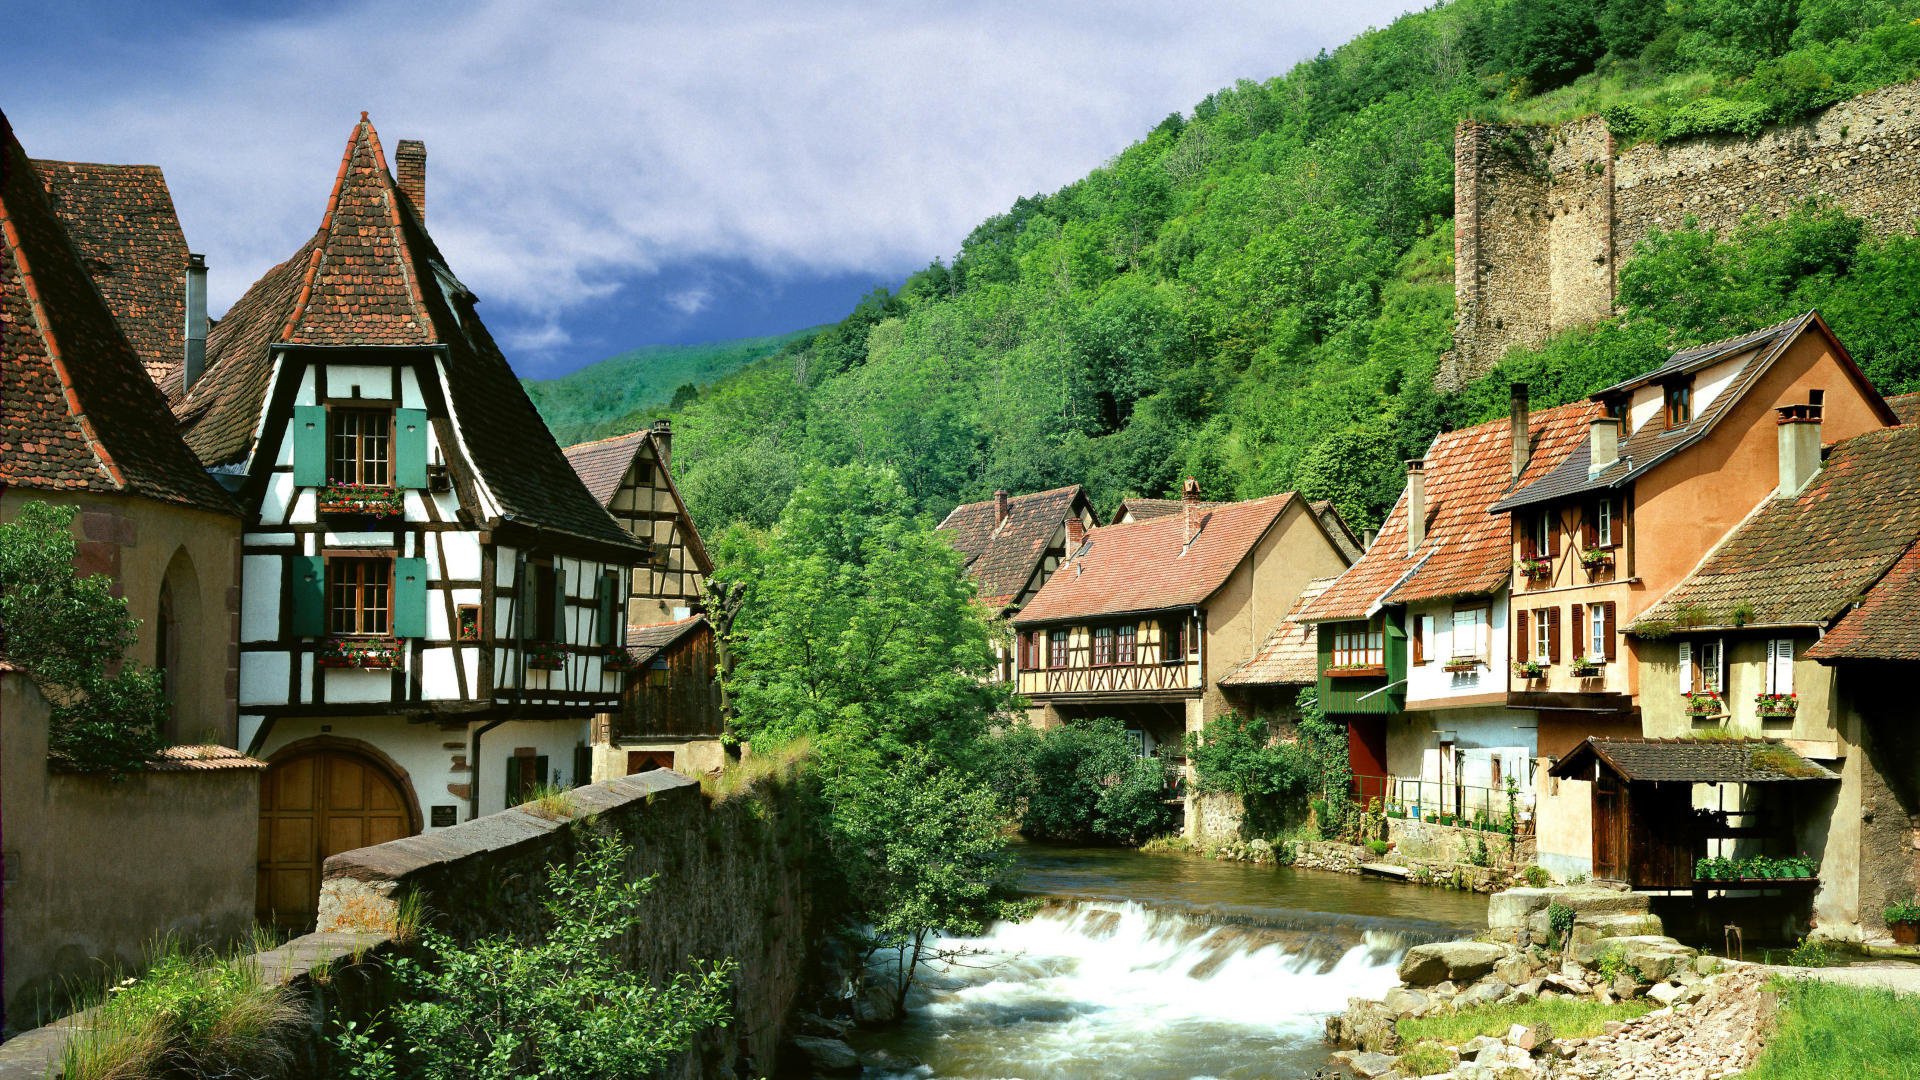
1801 561
603 464
371 277
1140 509
1003 555
649 641
1905 406
1467 551
77 410
1695 761
1884 626
1654 442
1147 565
1290 656
122 221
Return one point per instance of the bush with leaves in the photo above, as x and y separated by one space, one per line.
71 634
1081 782
559 1004
1272 775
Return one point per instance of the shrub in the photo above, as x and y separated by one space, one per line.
1426 1059
1477 853
1560 922
1245 757
1378 847
1081 782
1903 911
1536 876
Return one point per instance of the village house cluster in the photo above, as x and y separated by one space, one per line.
1667 628
382 599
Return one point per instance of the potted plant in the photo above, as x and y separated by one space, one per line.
1584 668
1903 919
545 655
1776 705
1711 868
359 652
365 500
1462 664
1530 669
1339 671
1534 568
1595 558
618 659
1703 703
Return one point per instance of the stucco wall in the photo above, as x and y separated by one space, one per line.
96 870
1545 217
1663 710
1258 594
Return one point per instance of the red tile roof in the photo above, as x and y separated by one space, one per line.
1883 627
208 758
371 276
1147 566
1467 550
603 464
1336 526
1002 556
77 410
648 641
121 220
1905 406
1291 654
1802 561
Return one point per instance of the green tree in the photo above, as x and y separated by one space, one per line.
71 634
1273 776
1080 782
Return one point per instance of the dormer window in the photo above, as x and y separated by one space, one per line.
360 447
1679 404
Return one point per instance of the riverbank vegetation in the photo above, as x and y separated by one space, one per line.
1080 783
1569 1018
1826 1030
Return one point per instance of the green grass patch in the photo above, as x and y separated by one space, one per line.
1828 1030
1569 1018
1425 1060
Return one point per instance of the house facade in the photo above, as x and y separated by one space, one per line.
1012 544
431 597
1677 460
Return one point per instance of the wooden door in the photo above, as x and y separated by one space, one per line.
1367 751
1611 819
313 805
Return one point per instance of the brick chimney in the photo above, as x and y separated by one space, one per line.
1519 422
1189 508
195 360
1603 444
1002 506
410 161
1076 534
1416 503
662 432
1799 427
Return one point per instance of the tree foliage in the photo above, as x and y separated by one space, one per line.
1272 774
71 634
1080 782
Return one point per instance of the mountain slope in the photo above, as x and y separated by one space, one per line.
618 394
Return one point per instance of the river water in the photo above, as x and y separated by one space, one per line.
1155 966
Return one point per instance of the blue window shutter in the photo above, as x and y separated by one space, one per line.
309 595
410 598
410 448
309 445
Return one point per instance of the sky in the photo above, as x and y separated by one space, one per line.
611 175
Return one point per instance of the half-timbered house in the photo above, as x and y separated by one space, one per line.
431 597
1013 544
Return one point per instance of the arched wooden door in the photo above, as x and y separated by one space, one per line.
315 803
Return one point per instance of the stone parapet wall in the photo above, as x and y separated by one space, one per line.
1426 842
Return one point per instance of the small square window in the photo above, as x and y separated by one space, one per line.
1679 404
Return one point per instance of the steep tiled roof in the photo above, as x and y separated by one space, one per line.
1139 567
1141 509
1654 442
1884 626
371 276
1698 761
77 410
1801 561
121 220
1905 406
1002 556
646 642
1467 550
1337 529
602 464
1290 655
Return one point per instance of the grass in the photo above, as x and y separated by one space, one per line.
1827 1030
1425 1059
743 776
553 802
1569 1019
193 1013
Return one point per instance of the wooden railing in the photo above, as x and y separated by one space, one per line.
1112 679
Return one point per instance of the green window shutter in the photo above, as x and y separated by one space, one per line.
309 595
410 598
410 448
513 781
609 600
560 603
310 445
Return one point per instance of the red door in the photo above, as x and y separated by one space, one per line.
1367 755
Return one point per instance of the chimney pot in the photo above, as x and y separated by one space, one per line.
662 432
410 158
1799 428
1519 424
1603 442
195 360
1416 503
1076 534
1002 506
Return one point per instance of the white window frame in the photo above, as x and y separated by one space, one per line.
1470 633
1597 633
1542 637
1542 534
1713 665
1780 665
1603 523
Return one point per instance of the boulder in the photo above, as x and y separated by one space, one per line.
1621 924
1485 992
875 1004
1514 969
1664 993
1366 1025
1655 958
812 1023
1363 1064
1511 909
1530 1037
827 1057
1458 961
1404 1002
1625 986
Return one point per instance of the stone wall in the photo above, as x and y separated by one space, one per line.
1545 217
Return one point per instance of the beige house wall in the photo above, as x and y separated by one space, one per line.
691 757
97 870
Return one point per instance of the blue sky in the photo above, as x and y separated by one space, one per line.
612 175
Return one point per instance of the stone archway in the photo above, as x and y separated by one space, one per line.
320 797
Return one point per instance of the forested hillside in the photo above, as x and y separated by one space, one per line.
1258 292
621 392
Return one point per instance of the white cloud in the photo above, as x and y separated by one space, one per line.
690 301
576 147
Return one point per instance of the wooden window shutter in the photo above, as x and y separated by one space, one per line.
1553 538
1525 527
560 628
608 601
1780 661
1419 639
1520 635
1553 635
410 598
309 595
1590 526
410 448
1610 627
1686 667
1580 636
309 429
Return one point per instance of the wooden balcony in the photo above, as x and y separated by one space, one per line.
1114 682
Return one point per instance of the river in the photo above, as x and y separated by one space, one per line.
1156 966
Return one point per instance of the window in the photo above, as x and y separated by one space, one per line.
1540 541
526 774
1544 621
1599 633
1173 640
1703 667
1603 523
1472 634
1418 639
1029 650
360 600
540 605
1780 665
359 446
1057 648
1125 651
1359 645
467 622
1102 646
1679 404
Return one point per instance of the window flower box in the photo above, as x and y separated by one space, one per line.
1536 569
619 659
1355 671
1461 665
1776 705
1756 869
360 652
1530 669
1583 668
1596 558
365 500
1704 703
545 656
